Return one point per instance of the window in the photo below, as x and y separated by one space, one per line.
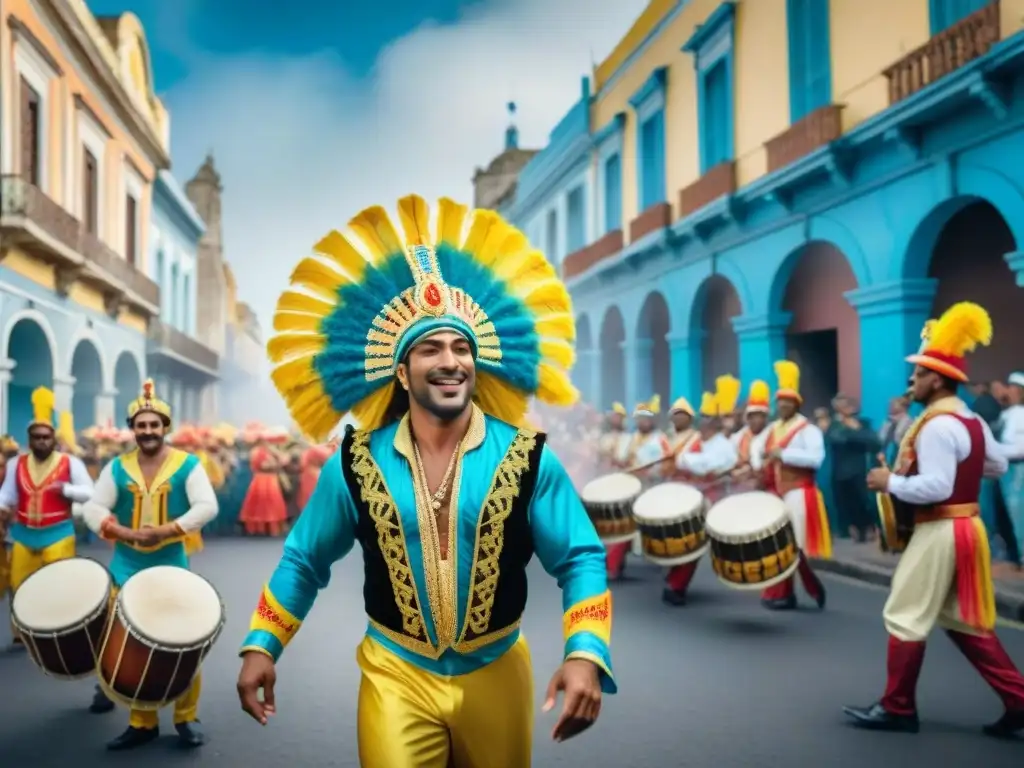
652 160
576 233
131 229
715 116
613 193
158 278
551 237
175 297
810 57
712 48
943 14
187 314
31 134
90 192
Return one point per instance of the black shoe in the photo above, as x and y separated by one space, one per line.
878 718
671 597
1008 726
132 738
782 604
100 703
189 734
821 598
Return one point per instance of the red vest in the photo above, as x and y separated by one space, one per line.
39 508
969 472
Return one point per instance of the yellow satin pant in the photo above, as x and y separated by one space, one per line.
25 561
409 718
186 708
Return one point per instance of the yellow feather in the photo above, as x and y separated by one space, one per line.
554 386
293 301
414 215
479 229
318 277
556 325
43 402
525 265
285 345
709 405
759 391
490 251
291 375
788 374
370 411
377 232
514 242
500 399
960 330
548 297
297 321
655 403
559 352
727 393
451 218
337 247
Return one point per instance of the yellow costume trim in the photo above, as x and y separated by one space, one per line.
592 615
272 617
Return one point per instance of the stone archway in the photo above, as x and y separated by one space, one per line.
87 371
29 348
612 384
584 373
127 382
653 356
716 304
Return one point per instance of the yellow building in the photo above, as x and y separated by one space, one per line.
82 137
811 178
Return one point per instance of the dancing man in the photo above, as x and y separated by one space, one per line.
37 493
945 574
446 498
148 501
750 440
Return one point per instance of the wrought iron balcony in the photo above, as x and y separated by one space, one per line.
170 342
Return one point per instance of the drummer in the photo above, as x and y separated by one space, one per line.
750 440
37 493
794 450
684 437
147 501
612 440
704 468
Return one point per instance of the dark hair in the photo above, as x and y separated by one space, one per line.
949 384
398 406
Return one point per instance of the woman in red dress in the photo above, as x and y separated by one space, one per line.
264 511
310 464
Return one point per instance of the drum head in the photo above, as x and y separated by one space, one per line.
171 606
745 516
61 595
608 489
668 501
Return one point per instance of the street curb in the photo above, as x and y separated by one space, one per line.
1008 605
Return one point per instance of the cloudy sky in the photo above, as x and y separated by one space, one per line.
316 111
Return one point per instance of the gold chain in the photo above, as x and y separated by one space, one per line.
437 497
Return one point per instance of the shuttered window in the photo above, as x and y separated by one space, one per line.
131 229
810 56
90 192
31 133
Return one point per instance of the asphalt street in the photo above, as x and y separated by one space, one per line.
720 683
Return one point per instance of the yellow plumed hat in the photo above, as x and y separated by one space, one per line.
148 402
619 408
788 375
650 408
727 393
681 405
759 397
66 431
709 405
43 403
947 341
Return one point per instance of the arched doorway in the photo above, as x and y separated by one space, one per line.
823 337
29 348
612 385
87 371
127 382
968 264
716 304
653 355
583 373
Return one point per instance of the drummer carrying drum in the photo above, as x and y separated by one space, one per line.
749 441
147 501
37 493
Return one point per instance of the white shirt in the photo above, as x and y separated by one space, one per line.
940 446
79 490
807 448
1011 432
645 449
716 456
201 498
757 443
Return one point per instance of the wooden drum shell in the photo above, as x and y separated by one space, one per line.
70 653
757 561
896 521
673 541
613 521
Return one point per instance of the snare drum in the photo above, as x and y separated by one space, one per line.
60 612
165 622
609 502
753 544
670 518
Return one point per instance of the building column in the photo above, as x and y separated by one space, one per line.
586 380
63 392
1015 260
106 405
762 341
892 316
637 356
6 373
685 351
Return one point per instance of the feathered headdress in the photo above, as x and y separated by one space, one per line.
650 408
947 340
788 374
619 408
727 393
709 405
351 315
148 402
681 405
66 431
43 402
759 397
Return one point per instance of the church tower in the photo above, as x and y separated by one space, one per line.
204 191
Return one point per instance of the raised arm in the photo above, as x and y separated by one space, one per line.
324 533
569 549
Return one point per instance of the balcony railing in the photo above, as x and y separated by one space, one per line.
31 220
166 338
578 262
818 128
719 180
970 38
658 216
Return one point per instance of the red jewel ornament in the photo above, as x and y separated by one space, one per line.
432 295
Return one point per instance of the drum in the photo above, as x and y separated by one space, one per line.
753 544
609 502
165 622
670 518
896 522
60 612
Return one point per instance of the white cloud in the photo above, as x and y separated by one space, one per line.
301 146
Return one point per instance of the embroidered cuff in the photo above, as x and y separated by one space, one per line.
259 641
593 615
272 620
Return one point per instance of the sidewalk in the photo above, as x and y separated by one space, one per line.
865 562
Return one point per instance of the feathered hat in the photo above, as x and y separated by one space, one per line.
759 397
43 403
650 408
66 431
148 402
619 408
351 315
788 375
681 405
727 393
709 405
946 341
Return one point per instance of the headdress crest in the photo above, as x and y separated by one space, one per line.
681 405
148 402
727 393
947 341
759 397
788 374
650 408
43 402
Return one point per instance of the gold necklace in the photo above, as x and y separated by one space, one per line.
437 497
